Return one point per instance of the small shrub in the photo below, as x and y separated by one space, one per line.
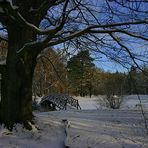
113 101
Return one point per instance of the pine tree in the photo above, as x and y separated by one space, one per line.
80 73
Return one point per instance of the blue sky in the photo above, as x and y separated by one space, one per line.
110 66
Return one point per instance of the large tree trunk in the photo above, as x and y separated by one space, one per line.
16 104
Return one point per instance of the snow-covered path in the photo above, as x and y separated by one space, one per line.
103 129
91 127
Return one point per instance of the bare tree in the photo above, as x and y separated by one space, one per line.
49 74
31 26
113 102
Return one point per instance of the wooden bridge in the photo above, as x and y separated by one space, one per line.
60 101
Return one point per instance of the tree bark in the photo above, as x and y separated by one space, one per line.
16 104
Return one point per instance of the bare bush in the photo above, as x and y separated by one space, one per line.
113 101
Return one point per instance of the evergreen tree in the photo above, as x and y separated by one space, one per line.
80 73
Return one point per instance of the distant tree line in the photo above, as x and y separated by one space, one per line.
79 76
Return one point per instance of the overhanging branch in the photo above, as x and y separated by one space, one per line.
54 30
127 49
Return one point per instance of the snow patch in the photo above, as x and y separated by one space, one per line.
88 128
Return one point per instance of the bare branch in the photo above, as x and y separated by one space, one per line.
127 49
51 63
58 28
124 32
89 30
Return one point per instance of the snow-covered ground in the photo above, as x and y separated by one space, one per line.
129 102
133 102
88 103
91 127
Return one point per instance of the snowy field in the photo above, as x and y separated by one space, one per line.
129 102
92 127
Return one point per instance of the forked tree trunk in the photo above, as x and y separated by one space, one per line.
16 103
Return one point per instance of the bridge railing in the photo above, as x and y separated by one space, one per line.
73 102
61 101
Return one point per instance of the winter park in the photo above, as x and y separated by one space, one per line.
73 74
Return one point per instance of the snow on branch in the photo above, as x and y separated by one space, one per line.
2 37
54 30
94 29
53 33
48 31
